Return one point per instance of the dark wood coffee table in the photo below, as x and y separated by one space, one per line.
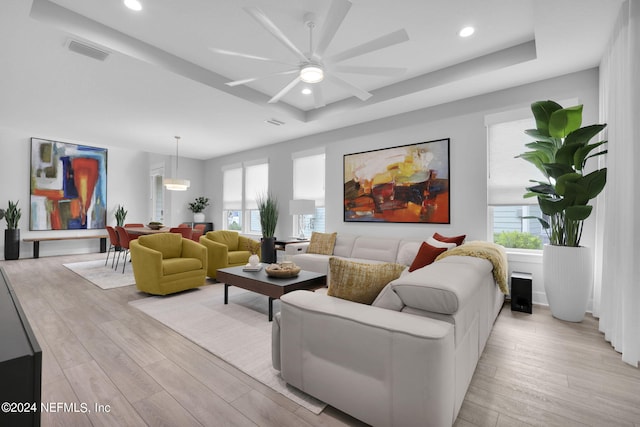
272 287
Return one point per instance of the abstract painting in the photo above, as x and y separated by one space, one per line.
408 183
68 186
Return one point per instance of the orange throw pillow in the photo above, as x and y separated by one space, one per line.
426 255
455 239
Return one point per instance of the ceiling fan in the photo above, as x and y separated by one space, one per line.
313 67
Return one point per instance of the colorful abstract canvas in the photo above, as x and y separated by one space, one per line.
68 186
409 183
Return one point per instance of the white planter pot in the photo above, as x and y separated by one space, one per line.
198 217
568 280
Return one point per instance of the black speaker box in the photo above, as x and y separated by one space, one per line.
521 292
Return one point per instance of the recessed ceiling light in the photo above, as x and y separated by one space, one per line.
133 4
306 91
466 31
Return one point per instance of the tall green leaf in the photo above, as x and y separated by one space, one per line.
564 121
544 147
565 154
562 181
594 182
576 193
578 213
542 189
551 207
537 159
583 135
542 111
556 170
580 156
539 136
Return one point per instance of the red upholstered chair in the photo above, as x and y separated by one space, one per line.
114 242
124 239
200 227
195 236
186 232
185 225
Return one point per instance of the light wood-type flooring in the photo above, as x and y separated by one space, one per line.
535 370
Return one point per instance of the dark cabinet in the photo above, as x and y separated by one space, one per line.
20 362
208 226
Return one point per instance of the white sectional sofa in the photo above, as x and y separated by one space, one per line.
357 248
405 360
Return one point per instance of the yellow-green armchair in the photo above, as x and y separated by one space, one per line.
165 263
227 249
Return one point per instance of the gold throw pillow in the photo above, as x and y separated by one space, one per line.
322 243
359 282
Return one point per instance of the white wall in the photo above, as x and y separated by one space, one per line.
128 184
461 121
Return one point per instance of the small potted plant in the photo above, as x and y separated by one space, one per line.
120 215
198 208
12 234
268 208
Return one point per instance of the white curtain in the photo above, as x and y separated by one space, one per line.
256 184
617 284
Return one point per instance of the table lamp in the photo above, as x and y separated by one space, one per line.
301 207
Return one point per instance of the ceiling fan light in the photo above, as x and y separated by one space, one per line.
311 74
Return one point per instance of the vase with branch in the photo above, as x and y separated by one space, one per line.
268 209
12 234
197 207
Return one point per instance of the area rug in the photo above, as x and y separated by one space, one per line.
239 332
103 276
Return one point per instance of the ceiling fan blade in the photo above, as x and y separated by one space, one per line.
253 79
356 91
376 71
318 96
390 39
259 16
336 14
285 90
247 55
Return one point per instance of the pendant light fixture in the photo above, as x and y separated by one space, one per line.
176 184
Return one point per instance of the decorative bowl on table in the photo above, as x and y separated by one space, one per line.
155 225
278 270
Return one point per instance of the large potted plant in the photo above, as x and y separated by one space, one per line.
560 151
12 234
268 208
198 208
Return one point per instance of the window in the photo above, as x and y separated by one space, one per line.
157 194
508 178
242 185
256 185
232 198
308 184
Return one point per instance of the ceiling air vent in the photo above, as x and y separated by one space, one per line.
87 50
274 122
